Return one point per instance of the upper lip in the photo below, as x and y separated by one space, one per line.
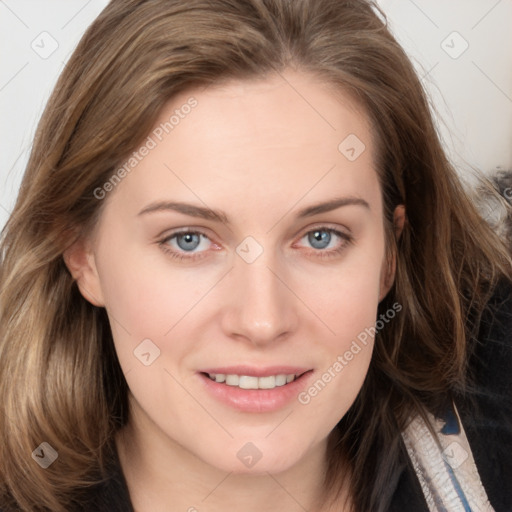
254 371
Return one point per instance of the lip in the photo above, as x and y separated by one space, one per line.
254 371
256 400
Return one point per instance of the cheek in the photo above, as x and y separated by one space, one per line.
143 290
344 349
346 298
346 301
146 298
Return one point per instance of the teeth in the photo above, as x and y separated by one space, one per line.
232 380
251 382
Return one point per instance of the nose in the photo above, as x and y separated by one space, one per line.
262 305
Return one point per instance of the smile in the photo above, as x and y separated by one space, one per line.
255 393
252 382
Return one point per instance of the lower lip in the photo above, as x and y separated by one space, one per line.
256 400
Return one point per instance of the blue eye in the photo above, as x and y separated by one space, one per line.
186 242
317 238
190 240
320 239
182 245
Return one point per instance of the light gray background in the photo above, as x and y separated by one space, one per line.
471 87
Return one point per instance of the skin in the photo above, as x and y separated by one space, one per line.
261 152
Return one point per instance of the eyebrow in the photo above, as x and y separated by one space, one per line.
220 216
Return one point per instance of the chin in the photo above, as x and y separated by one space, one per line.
248 459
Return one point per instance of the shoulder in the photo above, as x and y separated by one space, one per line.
486 410
490 361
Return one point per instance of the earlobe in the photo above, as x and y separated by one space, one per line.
80 261
389 267
399 220
387 276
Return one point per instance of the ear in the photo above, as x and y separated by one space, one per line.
80 261
389 265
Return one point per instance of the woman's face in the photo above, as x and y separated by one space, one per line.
247 241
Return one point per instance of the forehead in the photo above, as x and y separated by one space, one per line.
273 138
281 114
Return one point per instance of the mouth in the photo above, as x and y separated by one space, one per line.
253 381
255 390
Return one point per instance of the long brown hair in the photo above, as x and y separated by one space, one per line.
60 380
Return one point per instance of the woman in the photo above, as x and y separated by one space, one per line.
241 271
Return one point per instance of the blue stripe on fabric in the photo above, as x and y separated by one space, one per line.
458 488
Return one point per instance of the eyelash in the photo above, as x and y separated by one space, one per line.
347 239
